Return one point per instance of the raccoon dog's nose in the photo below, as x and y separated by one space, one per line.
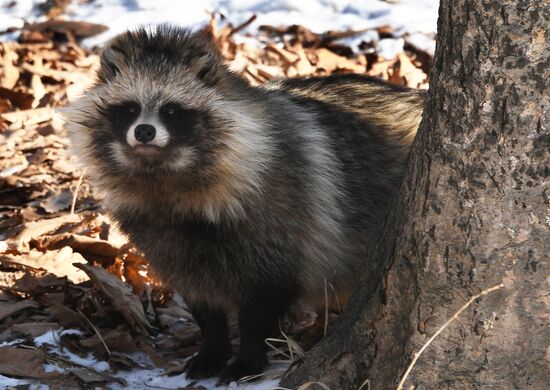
145 133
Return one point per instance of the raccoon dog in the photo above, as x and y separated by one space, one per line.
243 198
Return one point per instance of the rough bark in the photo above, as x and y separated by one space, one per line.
474 211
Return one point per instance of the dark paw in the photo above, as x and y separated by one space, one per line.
204 366
238 369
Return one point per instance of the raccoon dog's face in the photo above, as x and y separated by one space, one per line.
158 107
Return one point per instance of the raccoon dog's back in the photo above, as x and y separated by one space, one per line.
241 197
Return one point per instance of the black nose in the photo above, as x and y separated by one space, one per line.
145 133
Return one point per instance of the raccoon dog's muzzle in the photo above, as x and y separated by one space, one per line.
147 135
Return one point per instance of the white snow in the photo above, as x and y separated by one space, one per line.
390 47
146 377
422 41
51 337
6 381
10 343
404 16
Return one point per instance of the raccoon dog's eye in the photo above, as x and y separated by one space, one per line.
177 117
170 109
123 114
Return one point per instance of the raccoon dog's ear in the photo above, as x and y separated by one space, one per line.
112 61
209 69
208 65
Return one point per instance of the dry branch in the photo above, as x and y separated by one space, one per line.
441 329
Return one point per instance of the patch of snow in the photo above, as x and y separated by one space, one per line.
9 343
368 36
389 47
52 336
146 377
101 366
422 42
51 339
7 382
14 14
50 367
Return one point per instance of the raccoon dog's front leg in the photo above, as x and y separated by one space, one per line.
258 319
215 347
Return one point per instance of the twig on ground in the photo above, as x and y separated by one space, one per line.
336 297
293 348
365 383
75 194
96 332
280 351
156 387
445 325
243 25
265 375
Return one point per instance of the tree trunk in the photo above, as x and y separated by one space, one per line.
473 212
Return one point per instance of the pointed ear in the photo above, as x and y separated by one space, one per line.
209 68
208 63
112 61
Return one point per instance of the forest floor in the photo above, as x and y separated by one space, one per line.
78 305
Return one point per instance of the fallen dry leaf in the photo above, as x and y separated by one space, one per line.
119 340
55 262
29 117
331 62
120 294
19 99
26 363
37 228
302 65
66 316
57 202
87 376
38 89
87 246
35 283
34 329
9 308
76 28
9 73
404 72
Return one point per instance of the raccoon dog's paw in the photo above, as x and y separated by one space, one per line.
204 366
238 369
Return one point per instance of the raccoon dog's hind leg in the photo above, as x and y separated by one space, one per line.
215 347
259 313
